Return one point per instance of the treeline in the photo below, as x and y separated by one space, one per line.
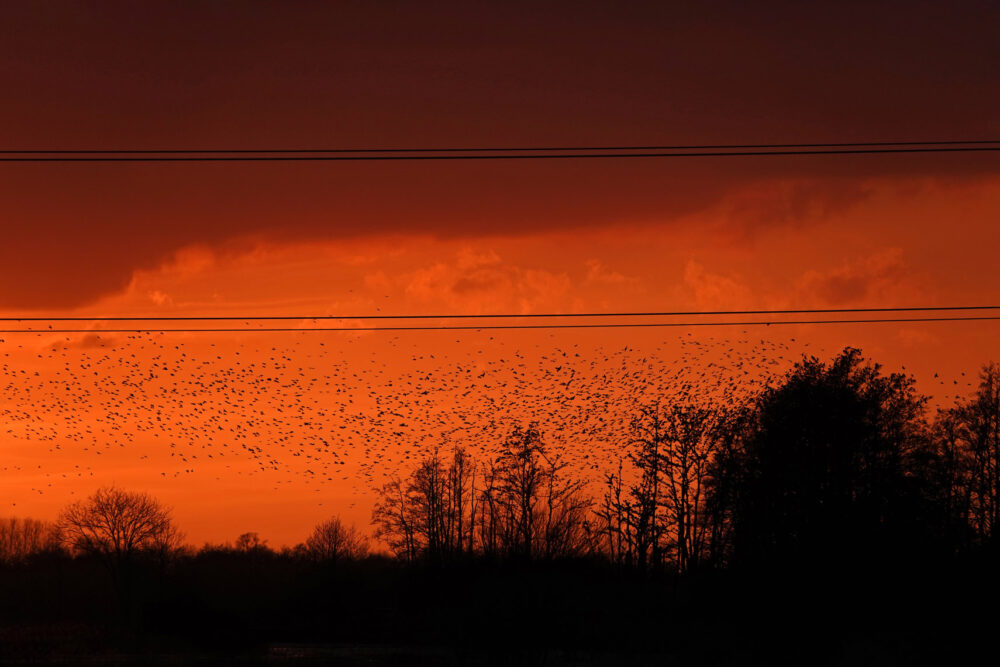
120 528
839 463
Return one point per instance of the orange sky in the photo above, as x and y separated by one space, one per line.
291 239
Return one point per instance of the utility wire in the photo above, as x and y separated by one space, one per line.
496 156
486 316
603 325
494 149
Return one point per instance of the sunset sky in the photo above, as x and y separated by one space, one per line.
459 237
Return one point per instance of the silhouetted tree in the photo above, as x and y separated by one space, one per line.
525 506
250 543
724 481
332 541
618 519
427 504
392 519
520 478
967 445
119 527
22 538
979 430
461 498
489 511
432 515
666 513
690 437
826 470
642 513
536 509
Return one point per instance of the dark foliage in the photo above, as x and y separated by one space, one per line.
831 470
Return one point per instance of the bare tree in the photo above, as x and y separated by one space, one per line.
648 433
521 479
21 538
535 509
432 514
665 513
489 515
525 505
333 541
617 514
393 521
117 525
428 500
689 443
566 529
461 502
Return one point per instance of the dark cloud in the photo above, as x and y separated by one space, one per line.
871 277
762 205
263 74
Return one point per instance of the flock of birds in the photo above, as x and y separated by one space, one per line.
343 411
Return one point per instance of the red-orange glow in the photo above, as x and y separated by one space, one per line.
268 432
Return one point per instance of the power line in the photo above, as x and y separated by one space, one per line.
485 316
603 325
519 156
494 149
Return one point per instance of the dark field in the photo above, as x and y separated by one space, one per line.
273 610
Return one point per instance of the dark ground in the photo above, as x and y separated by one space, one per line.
272 610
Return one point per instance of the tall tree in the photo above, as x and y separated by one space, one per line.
967 438
119 527
689 442
648 429
980 418
393 520
666 514
826 470
525 505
